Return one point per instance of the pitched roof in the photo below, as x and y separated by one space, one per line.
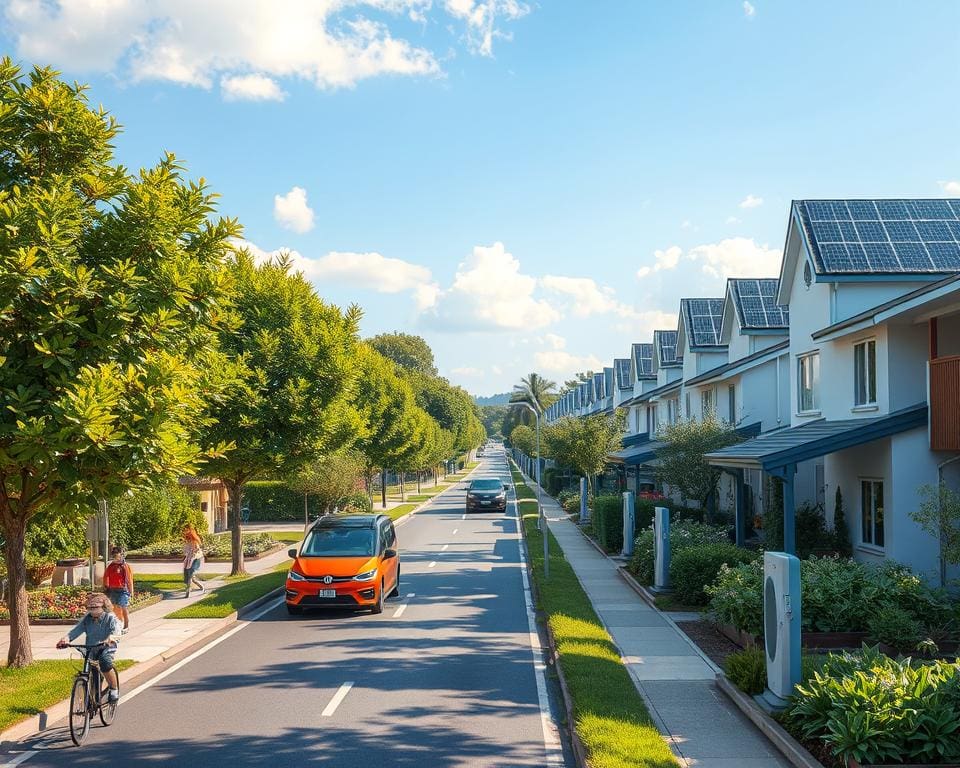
666 344
624 373
703 319
643 360
756 305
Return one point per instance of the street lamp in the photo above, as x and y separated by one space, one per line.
541 519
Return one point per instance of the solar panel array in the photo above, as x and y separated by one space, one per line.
666 342
703 318
608 382
643 355
886 236
756 303
598 390
624 373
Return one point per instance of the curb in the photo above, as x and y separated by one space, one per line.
41 721
783 741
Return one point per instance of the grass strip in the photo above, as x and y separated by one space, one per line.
400 511
28 691
610 718
231 597
287 537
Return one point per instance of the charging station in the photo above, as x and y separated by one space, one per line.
661 549
629 523
781 627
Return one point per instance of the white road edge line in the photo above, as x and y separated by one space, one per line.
19 759
338 697
183 662
551 735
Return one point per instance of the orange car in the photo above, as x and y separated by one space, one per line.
345 560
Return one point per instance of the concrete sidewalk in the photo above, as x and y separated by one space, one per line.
702 725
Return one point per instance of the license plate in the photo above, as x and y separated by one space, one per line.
485 502
327 593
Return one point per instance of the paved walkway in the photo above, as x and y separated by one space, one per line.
678 684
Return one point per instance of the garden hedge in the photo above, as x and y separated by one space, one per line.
273 501
608 522
695 568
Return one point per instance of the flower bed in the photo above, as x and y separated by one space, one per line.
68 603
215 547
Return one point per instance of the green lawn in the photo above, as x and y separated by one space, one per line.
29 691
231 597
610 717
159 582
403 509
287 537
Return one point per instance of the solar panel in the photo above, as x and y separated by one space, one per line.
598 391
885 236
643 355
624 373
703 318
607 382
756 303
666 342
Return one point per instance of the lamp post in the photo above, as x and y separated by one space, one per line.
541 520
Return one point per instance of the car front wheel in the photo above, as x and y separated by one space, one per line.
378 606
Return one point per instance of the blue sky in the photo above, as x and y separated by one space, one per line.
530 186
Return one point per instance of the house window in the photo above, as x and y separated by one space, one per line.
673 405
871 512
732 403
865 372
808 381
706 403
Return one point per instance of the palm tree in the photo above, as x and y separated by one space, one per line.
535 390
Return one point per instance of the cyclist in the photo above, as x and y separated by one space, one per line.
118 583
100 626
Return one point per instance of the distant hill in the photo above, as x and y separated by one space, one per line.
502 399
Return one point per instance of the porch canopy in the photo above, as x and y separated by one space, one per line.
635 454
779 452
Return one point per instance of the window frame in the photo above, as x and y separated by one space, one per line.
872 520
707 406
863 376
802 360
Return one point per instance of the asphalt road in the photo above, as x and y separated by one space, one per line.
446 676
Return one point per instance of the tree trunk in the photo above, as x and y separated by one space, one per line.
383 487
418 482
306 512
402 498
436 477
20 653
235 495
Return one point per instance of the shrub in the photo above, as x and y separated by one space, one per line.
895 626
275 501
608 522
841 534
694 568
683 534
357 503
736 596
748 670
569 500
215 546
552 480
154 515
870 708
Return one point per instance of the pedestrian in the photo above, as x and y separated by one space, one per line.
118 584
192 559
100 626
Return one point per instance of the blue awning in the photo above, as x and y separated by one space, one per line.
636 454
792 445
637 439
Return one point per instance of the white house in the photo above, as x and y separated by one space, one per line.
874 355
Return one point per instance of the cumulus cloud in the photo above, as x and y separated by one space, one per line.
751 201
732 257
665 259
331 44
490 293
587 298
250 88
292 212
950 188
748 9
563 363
554 341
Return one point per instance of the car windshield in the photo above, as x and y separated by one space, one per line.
486 485
339 542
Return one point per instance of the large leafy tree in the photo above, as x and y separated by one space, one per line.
680 461
408 351
109 287
583 444
329 479
524 439
287 394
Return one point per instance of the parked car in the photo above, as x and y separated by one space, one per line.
347 561
486 495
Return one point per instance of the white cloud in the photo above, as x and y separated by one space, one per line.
748 9
732 220
587 297
250 88
667 259
467 371
330 43
950 188
554 341
292 212
751 201
481 17
490 293
563 363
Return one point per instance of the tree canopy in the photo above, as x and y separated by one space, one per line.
583 444
406 350
680 461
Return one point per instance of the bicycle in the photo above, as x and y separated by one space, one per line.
90 695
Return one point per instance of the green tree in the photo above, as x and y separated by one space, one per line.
329 479
409 352
939 515
109 287
288 387
570 384
524 439
681 463
535 390
493 417
583 444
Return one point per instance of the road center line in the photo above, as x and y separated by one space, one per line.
338 697
18 760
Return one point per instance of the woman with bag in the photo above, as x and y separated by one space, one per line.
118 585
192 559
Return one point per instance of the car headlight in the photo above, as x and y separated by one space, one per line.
472 496
368 576
502 495
294 576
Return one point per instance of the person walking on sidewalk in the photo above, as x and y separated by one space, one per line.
100 625
118 584
192 559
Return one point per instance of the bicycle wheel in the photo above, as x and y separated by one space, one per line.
79 711
108 709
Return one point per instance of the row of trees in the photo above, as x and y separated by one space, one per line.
141 344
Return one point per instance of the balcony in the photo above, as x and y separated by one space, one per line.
945 404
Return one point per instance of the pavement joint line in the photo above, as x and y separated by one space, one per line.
338 697
243 623
19 759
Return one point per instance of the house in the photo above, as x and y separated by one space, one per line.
874 368
213 500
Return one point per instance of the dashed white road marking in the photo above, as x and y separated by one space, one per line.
444 547
18 760
455 531
338 697
399 612
433 564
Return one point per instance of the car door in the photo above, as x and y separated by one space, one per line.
387 540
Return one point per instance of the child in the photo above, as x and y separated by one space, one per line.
118 584
100 626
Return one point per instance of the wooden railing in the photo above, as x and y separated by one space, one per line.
945 404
